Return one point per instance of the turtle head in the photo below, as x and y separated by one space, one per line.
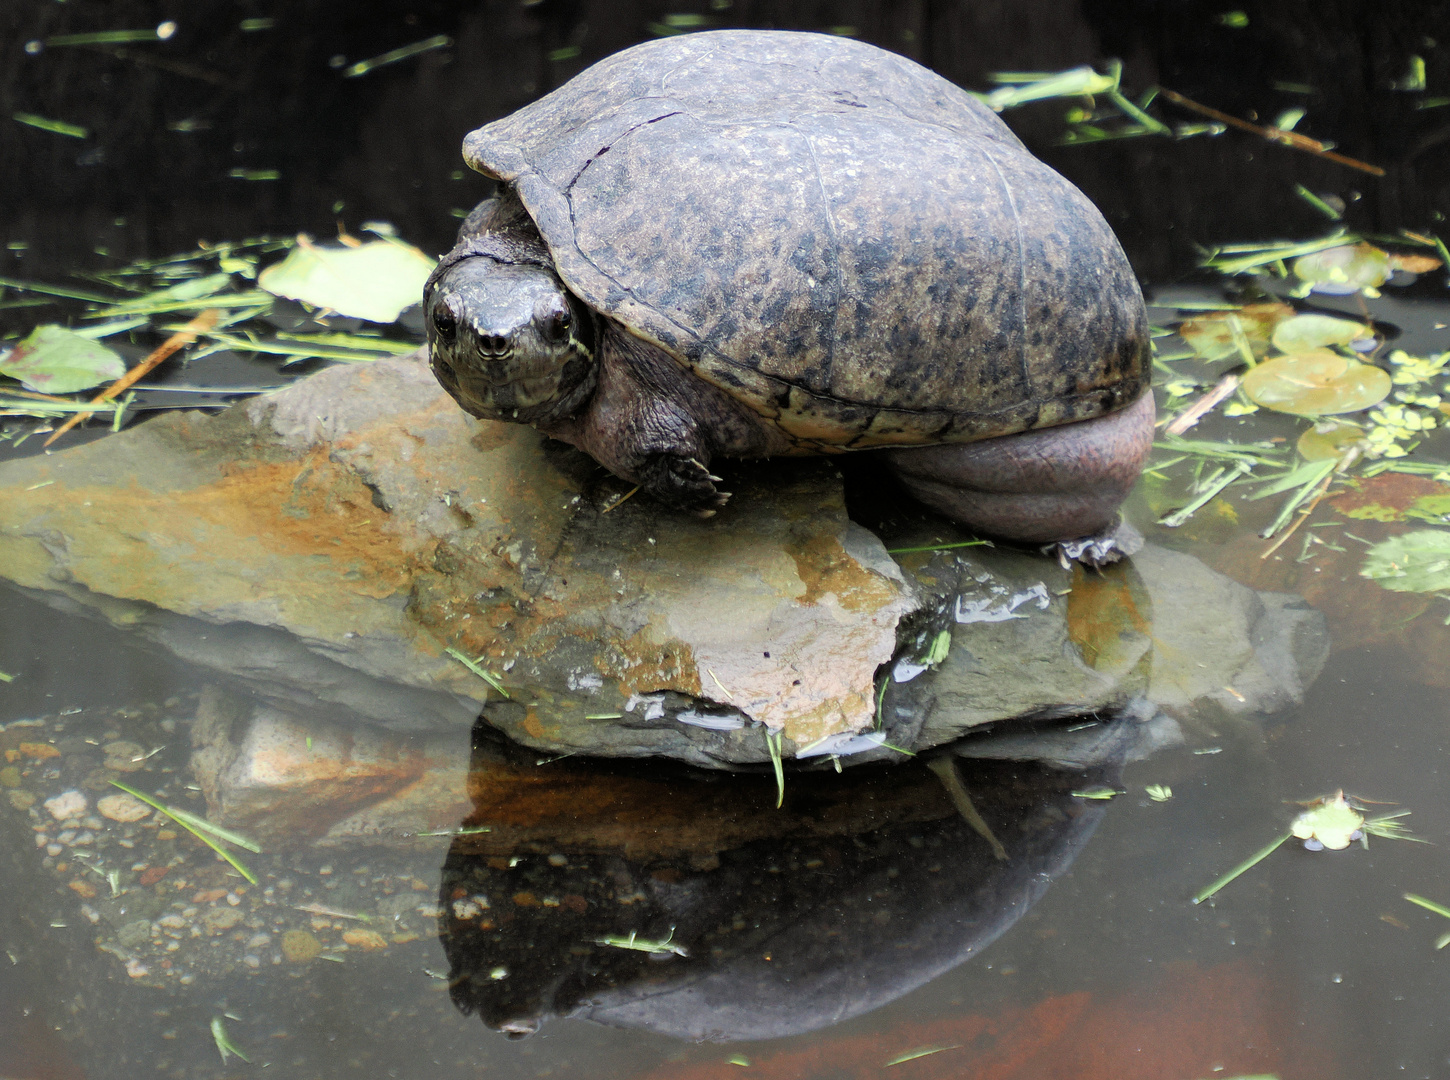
509 342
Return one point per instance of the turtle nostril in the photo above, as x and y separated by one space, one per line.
493 345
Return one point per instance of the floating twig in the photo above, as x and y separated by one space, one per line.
1279 135
179 340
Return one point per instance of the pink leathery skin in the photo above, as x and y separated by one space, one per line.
1038 486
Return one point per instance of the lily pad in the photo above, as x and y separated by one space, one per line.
1341 271
1329 441
54 360
1317 331
1417 561
1317 382
1212 336
374 281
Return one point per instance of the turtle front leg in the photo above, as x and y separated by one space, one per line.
1059 486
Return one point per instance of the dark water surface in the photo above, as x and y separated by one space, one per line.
1093 961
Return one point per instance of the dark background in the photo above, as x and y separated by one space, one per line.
386 145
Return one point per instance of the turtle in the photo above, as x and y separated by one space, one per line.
750 243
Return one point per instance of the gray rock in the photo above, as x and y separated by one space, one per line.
334 552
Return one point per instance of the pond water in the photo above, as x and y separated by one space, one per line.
514 913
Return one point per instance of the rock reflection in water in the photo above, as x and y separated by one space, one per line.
864 887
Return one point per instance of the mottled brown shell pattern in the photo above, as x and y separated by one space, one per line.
841 239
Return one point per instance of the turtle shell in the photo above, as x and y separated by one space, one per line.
839 238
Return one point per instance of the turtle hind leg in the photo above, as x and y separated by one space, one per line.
1060 485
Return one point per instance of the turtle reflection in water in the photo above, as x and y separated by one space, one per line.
733 920
754 243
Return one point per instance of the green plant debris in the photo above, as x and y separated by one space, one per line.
940 645
297 351
199 834
1333 822
939 547
1159 792
194 821
653 946
358 342
1344 270
1240 333
259 175
1245 258
1315 201
945 768
1242 868
473 830
1311 331
473 666
772 743
406 52
1416 561
1098 792
224 1044
1210 488
6 677
54 360
58 127
920 1052
373 281
1428 905
55 290
738 1059
105 330
113 37
1022 87
1316 382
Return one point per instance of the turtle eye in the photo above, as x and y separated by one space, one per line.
444 322
557 323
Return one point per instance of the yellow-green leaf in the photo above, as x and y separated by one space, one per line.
54 360
1316 383
374 281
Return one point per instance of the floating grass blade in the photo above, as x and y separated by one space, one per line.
1428 905
55 290
940 547
1242 868
919 1052
633 941
186 817
482 673
1178 517
199 834
224 1044
772 742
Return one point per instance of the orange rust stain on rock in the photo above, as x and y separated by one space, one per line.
824 568
1101 610
645 666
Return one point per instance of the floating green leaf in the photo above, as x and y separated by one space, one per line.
1216 336
1329 441
54 360
1417 561
1340 271
1312 331
374 281
1316 383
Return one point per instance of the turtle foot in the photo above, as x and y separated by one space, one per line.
682 482
1117 541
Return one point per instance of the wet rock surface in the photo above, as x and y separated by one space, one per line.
355 553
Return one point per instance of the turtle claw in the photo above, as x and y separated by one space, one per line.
1117 541
682 482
